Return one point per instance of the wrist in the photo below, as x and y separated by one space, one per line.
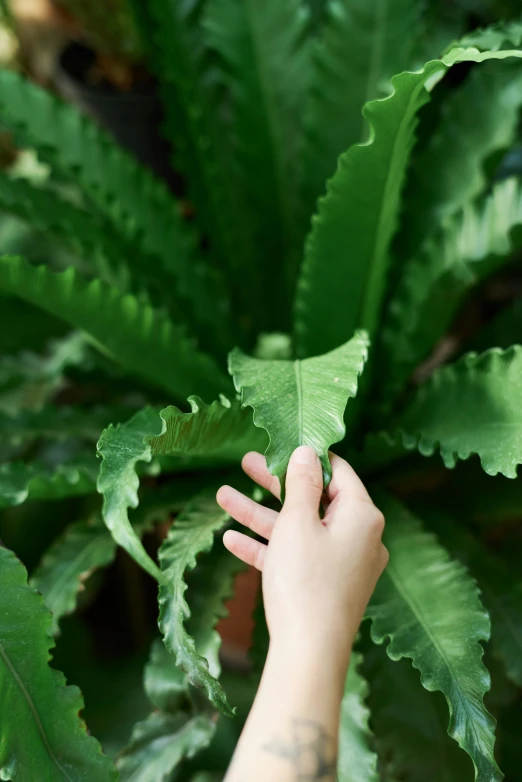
322 658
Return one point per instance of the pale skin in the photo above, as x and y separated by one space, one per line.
318 576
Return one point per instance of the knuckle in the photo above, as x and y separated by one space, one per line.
385 556
377 522
249 516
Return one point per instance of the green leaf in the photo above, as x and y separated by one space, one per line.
37 481
493 38
410 724
347 249
469 247
42 734
357 761
165 683
220 429
142 339
84 547
210 586
500 592
300 402
192 533
159 743
444 412
265 55
449 172
354 58
432 614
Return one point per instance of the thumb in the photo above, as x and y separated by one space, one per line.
304 481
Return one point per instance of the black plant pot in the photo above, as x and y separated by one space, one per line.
134 117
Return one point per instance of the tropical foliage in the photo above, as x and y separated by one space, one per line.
345 215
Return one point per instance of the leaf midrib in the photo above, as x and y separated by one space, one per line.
17 678
367 319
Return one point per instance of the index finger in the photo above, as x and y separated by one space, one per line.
254 464
345 483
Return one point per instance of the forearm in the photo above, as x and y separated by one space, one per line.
291 733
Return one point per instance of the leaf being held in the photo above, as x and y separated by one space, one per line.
300 402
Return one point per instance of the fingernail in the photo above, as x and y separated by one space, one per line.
305 454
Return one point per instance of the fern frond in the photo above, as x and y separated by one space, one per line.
194 124
137 203
138 336
362 44
37 481
348 248
264 50
433 284
43 735
469 407
432 614
449 172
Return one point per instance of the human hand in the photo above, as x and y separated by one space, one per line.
318 574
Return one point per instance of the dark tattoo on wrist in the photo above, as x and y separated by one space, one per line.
310 750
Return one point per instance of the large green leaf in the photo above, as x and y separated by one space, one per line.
410 724
221 429
354 58
265 52
357 761
469 407
449 172
428 607
141 338
433 284
501 592
192 533
133 199
300 402
160 742
38 481
347 250
43 736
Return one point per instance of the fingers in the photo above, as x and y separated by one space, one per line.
345 483
254 464
244 548
257 518
304 481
